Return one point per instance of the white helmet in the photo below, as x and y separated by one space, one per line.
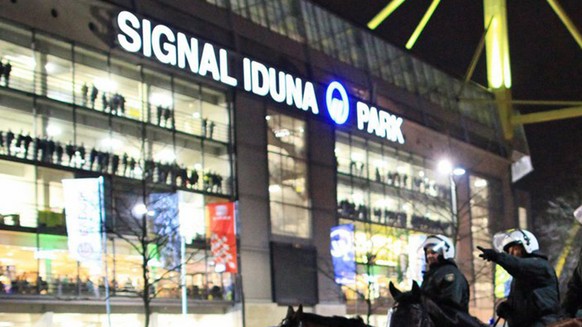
502 240
440 244
578 214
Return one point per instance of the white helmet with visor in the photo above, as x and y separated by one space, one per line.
578 214
504 239
440 244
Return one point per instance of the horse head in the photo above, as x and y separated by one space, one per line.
293 318
409 310
300 319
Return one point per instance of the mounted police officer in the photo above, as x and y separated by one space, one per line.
573 299
443 281
445 285
534 299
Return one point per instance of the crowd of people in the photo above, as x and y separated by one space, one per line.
50 151
65 286
396 179
349 210
534 296
114 104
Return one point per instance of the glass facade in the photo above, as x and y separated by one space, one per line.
288 192
303 21
72 112
486 204
395 199
378 184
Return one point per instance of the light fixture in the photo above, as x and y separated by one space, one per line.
458 171
166 155
139 209
445 167
110 142
480 182
53 130
161 99
50 67
105 84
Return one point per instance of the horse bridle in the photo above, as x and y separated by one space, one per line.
288 321
424 317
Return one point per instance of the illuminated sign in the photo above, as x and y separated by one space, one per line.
343 253
172 48
84 213
180 50
281 87
379 123
223 236
339 109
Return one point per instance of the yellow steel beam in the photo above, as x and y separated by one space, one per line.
505 111
549 102
566 21
477 54
567 247
545 116
497 44
384 13
422 24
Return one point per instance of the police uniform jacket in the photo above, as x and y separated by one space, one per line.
534 298
445 284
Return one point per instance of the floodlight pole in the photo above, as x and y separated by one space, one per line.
183 277
453 198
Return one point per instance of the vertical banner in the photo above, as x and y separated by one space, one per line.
343 253
223 235
83 211
166 227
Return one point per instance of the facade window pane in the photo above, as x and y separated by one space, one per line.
394 199
483 196
91 114
288 176
22 61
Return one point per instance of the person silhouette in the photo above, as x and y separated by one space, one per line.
84 93
9 139
211 129
6 73
94 93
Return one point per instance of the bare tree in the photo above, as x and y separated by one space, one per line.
146 219
431 214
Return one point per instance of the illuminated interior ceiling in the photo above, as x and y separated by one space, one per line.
498 63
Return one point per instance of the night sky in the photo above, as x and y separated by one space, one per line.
546 64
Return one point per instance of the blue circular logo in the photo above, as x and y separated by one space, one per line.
338 107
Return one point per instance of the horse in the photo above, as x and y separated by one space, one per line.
304 319
572 322
413 309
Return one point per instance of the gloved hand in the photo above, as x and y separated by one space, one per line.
488 254
503 310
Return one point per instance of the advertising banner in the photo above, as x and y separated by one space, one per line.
343 254
166 227
223 235
83 211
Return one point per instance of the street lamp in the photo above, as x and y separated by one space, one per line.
446 167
